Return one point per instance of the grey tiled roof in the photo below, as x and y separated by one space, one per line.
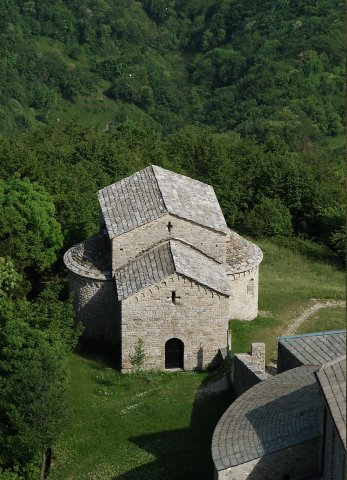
242 255
154 191
91 258
316 348
273 415
190 199
332 380
161 262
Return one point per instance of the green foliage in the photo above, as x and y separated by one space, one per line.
278 66
9 278
32 379
29 232
269 218
138 356
34 340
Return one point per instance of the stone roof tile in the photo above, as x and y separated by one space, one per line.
91 258
161 262
332 381
241 255
154 191
274 414
316 348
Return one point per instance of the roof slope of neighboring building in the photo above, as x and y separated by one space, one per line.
169 258
332 381
241 255
316 348
154 191
91 258
273 415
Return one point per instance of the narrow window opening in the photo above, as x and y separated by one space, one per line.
169 227
174 297
250 286
121 249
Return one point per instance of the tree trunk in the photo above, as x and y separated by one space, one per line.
43 465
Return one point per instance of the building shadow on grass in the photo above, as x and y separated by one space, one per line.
184 454
107 355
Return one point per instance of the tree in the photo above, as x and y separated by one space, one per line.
269 218
9 278
29 231
32 398
33 378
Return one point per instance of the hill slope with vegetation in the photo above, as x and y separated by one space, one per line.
246 96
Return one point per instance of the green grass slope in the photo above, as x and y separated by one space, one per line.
129 427
288 284
156 425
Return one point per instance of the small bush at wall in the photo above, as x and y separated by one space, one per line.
138 356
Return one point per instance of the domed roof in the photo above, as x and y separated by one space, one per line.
91 258
273 415
242 255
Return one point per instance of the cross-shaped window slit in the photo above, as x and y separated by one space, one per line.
174 297
169 226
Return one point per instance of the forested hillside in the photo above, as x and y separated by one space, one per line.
256 67
245 95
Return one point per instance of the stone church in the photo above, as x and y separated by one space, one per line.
164 268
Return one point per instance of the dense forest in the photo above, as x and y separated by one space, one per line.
247 96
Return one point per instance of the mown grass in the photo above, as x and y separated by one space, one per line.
130 427
289 283
155 425
325 319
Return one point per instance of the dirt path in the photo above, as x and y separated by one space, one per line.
297 322
308 312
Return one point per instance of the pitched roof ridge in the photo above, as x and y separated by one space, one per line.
193 247
156 180
332 362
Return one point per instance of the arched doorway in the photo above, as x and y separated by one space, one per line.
174 353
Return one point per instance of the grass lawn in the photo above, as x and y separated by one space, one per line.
288 283
325 319
128 427
157 425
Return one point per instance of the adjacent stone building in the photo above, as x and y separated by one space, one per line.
164 268
291 426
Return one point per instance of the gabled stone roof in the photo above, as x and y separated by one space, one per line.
241 255
316 348
332 381
169 258
91 258
273 415
154 191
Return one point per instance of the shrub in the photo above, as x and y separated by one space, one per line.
269 218
137 357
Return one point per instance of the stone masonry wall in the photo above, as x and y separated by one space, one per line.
130 244
199 319
244 295
96 308
297 462
246 373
